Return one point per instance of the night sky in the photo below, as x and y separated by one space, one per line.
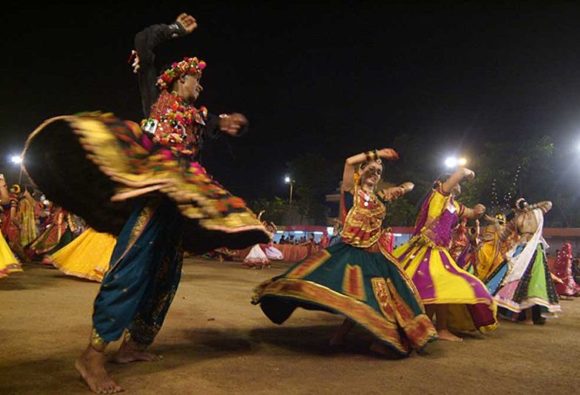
329 78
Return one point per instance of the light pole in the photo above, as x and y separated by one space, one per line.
289 180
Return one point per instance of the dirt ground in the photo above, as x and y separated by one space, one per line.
215 342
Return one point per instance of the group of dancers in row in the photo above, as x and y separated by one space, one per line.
38 231
143 184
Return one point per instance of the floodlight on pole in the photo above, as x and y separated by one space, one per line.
450 162
16 159
289 180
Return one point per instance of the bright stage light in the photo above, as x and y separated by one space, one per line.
451 162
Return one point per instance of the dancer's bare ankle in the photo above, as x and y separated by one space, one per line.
131 351
445 334
91 367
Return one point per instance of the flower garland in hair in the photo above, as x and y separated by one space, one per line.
185 67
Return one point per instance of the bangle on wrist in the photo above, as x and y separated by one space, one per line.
372 155
177 29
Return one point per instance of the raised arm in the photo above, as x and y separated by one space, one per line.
473 213
355 160
456 178
545 206
393 193
145 43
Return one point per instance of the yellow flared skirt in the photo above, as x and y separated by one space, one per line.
87 256
8 262
440 281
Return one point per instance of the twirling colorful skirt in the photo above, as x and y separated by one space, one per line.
8 262
535 287
440 281
101 168
87 256
366 287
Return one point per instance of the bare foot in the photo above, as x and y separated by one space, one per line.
444 334
91 366
132 352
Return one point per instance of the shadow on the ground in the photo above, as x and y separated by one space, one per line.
211 277
52 375
33 277
311 340
314 340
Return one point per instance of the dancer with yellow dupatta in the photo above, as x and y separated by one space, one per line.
27 218
459 300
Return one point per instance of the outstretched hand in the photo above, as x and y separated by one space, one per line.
479 209
407 186
388 154
232 123
186 21
468 174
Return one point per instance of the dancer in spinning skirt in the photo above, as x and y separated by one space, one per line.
143 185
356 277
458 300
526 286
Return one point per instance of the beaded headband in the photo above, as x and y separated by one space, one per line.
185 67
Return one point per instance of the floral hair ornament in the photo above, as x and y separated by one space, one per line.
186 67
